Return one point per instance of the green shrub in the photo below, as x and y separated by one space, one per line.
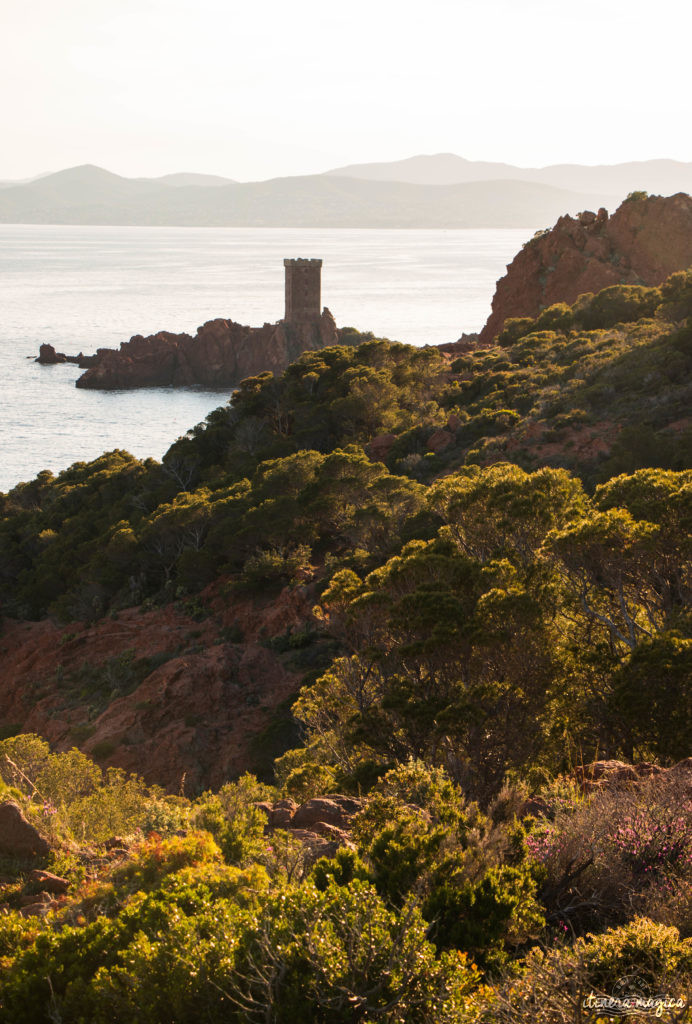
561 985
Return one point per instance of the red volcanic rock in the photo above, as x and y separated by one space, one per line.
319 809
643 242
440 440
282 813
48 356
46 881
221 354
194 716
534 807
335 809
585 443
39 906
18 837
381 446
322 823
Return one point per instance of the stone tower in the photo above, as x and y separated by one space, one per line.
303 291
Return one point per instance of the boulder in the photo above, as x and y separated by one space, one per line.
350 805
282 813
47 356
18 837
440 440
114 843
266 809
318 809
39 908
46 881
317 845
380 446
534 807
337 835
335 810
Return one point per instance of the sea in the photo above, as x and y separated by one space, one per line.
83 288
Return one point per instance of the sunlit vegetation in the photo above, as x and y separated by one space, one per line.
490 613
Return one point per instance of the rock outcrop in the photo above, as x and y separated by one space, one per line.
220 354
18 837
47 356
618 774
644 241
46 881
322 824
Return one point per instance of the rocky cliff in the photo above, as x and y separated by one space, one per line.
220 354
645 240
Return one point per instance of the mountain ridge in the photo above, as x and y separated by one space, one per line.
448 168
91 195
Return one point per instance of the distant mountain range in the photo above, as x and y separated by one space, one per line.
181 178
443 191
656 176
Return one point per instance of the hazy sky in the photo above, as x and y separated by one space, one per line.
265 88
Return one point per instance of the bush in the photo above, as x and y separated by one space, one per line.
619 852
559 985
340 955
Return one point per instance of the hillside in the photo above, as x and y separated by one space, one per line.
91 195
278 488
442 609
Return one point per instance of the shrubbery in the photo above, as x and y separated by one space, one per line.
483 623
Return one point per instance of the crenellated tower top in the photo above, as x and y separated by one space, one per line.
303 291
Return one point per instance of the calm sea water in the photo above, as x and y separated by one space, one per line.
81 288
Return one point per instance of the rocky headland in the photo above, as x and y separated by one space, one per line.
220 354
645 240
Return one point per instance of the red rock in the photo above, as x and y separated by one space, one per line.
189 717
282 813
318 809
453 423
453 349
46 881
221 354
642 243
266 809
339 835
335 810
47 356
440 440
317 845
39 908
380 446
350 805
18 837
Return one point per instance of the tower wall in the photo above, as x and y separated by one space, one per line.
303 285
